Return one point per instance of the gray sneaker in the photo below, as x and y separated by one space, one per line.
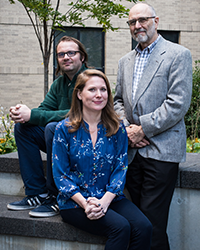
28 202
48 208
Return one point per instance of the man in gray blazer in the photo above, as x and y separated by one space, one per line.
153 94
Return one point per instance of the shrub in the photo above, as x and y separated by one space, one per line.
7 141
193 146
192 117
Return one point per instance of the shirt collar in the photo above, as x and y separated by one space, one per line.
149 48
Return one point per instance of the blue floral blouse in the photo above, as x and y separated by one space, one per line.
80 167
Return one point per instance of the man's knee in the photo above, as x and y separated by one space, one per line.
20 129
50 127
49 131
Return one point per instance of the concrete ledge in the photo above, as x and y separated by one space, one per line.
184 220
189 171
12 242
10 173
9 163
21 224
20 232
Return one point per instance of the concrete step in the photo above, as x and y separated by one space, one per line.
42 233
10 173
20 232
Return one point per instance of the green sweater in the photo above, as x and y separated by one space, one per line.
57 101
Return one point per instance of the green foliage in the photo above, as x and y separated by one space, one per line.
192 118
113 89
7 141
46 17
193 146
77 11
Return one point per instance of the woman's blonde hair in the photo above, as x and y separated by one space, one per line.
109 118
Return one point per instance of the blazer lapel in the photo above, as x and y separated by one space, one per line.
153 64
130 64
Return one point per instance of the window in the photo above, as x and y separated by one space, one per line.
91 38
172 36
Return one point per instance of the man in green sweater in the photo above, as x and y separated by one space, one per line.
34 130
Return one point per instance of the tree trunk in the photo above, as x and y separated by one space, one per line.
46 56
46 75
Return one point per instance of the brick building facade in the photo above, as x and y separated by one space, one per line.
21 68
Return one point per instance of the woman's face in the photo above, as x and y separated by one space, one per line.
94 95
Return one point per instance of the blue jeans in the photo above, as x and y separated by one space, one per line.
30 140
124 225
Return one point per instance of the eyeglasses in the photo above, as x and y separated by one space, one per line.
69 54
141 20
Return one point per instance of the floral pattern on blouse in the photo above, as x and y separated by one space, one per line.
92 171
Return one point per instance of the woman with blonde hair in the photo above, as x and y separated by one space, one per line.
89 168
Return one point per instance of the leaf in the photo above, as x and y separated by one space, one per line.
46 17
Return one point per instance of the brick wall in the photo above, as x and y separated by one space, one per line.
21 69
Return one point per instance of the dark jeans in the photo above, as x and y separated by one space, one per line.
151 185
124 225
30 140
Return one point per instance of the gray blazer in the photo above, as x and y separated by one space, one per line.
161 100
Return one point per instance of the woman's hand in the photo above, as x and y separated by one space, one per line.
97 208
94 209
91 206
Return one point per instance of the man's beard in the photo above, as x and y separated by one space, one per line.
147 36
140 38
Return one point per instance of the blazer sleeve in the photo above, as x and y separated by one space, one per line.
178 98
118 98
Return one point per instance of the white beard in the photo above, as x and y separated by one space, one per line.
141 38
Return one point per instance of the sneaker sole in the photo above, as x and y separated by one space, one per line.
42 214
15 208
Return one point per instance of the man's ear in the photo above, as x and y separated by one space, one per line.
156 21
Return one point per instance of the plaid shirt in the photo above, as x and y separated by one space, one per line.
141 59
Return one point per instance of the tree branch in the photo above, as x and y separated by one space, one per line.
52 27
34 26
37 26
75 9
